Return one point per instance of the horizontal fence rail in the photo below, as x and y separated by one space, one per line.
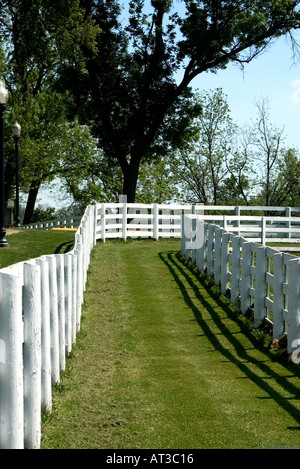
40 304
260 228
122 220
125 220
262 278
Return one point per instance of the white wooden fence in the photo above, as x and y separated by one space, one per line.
71 222
40 314
257 275
40 300
124 220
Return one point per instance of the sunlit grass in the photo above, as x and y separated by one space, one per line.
29 244
164 361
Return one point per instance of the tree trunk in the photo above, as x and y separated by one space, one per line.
33 192
130 175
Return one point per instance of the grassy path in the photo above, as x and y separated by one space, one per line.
162 362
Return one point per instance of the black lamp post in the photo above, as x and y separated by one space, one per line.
3 102
16 131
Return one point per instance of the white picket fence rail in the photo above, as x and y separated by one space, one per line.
71 222
123 220
41 299
259 276
40 314
261 229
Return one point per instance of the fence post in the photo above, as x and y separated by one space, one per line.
124 221
278 323
201 251
218 255
11 365
79 285
46 398
32 356
61 310
210 250
183 245
224 262
263 230
68 302
94 222
187 234
102 211
237 212
260 285
194 243
288 213
54 328
293 305
245 281
235 269
74 297
155 221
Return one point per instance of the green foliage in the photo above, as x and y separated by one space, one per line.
137 108
123 72
224 164
36 37
202 165
157 182
43 214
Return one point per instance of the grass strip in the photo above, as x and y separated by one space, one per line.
162 361
29 244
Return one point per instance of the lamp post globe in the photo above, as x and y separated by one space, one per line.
16 131
3 102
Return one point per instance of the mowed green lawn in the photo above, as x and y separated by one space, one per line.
29 244
162 361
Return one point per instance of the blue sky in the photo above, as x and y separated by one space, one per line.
271 75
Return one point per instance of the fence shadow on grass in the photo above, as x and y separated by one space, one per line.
185 273
63 248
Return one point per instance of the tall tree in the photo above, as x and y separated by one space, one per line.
286 189
130 91
202 163
268 141
36 35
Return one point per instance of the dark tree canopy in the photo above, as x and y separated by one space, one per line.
129 91
36 37
124 82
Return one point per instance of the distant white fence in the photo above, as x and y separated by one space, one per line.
71 222
263 229
40 314
125 220
257 275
